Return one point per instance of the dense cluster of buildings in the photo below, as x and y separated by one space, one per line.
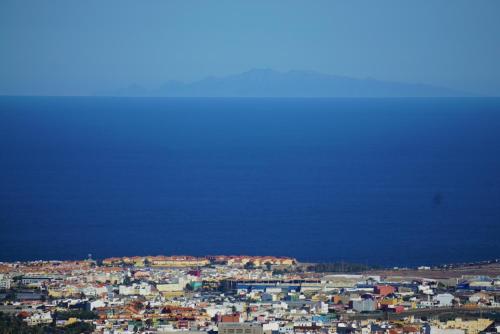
242 295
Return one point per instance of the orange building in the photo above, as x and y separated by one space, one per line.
384 290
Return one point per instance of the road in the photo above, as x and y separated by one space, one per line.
425 312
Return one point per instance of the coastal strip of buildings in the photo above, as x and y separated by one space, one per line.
242 295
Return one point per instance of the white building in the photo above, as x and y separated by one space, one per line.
5 282
480 296
143 289
97 303
443 299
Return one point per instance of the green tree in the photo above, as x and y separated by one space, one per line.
79 328
268 265
249 265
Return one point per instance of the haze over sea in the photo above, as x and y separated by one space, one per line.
377 181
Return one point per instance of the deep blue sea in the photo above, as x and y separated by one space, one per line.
382 181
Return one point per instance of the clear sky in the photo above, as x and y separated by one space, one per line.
66 47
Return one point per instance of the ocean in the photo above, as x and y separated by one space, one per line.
376 181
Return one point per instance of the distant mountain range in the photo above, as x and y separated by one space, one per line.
270 83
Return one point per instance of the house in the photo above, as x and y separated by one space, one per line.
365 303
5 282
482 297
443 299
39 318
235 317
384 290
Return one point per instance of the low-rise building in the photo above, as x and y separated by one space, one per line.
240 328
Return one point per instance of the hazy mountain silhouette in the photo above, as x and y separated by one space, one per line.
270 83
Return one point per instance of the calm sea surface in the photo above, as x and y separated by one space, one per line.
383 181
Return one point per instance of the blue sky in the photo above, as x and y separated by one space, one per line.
66 47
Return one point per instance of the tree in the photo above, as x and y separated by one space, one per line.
249 265
11 325
268 265
279 272
79 328
79 314
11 295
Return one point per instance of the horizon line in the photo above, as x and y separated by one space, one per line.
253 97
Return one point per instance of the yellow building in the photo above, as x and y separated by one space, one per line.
71 321
169 287
177 261
390 301
470 326
55 293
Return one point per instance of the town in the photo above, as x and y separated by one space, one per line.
246 295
